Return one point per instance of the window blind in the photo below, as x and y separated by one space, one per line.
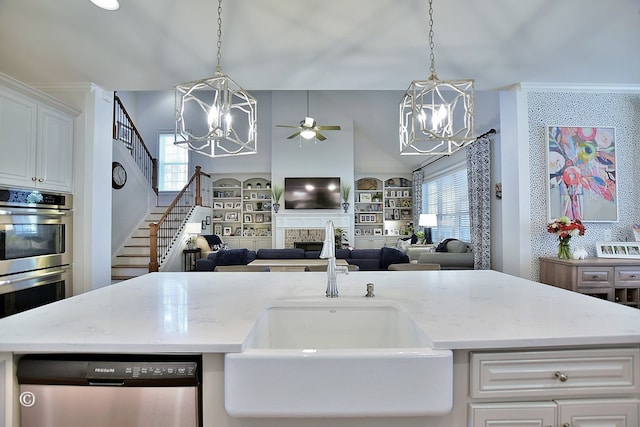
447 196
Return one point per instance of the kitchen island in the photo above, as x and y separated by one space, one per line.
518 346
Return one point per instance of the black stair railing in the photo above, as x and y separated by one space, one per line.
125 130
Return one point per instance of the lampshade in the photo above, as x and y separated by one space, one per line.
428 220
193 228
215 116
436 116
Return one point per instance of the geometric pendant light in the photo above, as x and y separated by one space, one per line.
215 116
436 116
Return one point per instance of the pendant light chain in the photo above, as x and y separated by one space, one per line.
219 44
432 57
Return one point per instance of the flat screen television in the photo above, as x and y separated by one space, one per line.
312 193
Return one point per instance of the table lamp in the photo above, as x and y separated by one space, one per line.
192 229
427 221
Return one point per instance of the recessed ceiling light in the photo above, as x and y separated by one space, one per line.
107 4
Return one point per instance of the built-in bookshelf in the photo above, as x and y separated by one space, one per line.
241 212
383 209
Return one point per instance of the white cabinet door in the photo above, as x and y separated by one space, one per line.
600 413
526 414
369 242
17 139
36 142
55 150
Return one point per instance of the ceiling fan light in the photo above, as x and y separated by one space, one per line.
308 133
107 4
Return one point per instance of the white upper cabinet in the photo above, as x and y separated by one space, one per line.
36 141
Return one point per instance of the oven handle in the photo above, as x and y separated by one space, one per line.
27 211
35 276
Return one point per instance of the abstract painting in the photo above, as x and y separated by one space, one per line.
581 163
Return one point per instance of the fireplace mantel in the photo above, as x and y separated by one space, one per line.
284 221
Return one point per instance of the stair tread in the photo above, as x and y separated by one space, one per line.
130 266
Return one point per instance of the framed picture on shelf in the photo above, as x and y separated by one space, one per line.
248 207
377 231
228 205
259 217
218 205
227 231
254 196
581 173
365 198
217 229
392 203
405 193
231 216
247 218
618 250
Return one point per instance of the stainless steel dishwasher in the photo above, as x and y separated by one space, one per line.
109 391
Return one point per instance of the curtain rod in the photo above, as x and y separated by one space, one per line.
484 135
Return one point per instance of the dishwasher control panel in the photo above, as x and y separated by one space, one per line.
108 370
124 370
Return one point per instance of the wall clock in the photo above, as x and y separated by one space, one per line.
118 175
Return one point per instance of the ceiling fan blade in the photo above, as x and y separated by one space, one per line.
294 135
320 137
328 127
287 126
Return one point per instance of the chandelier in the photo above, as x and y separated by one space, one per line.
436 116
215 116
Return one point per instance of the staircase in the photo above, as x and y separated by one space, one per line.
133 259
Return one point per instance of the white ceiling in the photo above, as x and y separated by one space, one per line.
321 44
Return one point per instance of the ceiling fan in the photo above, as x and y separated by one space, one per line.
308 128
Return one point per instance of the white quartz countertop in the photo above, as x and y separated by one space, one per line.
204 312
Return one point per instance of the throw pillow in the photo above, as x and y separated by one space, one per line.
457 246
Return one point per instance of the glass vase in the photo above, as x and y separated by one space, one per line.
564 250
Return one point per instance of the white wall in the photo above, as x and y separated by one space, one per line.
92 182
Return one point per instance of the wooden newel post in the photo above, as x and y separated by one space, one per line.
153 247
198 191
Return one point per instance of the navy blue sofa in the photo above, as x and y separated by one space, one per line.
365 259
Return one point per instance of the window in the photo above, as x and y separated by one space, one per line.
447 197
173 164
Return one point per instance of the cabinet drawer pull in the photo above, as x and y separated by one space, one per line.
566 425
594 277
561 376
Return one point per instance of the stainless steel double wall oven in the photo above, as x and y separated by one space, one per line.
35 249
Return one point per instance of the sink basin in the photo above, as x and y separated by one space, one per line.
335 358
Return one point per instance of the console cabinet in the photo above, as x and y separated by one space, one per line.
613 279
36 139
576 388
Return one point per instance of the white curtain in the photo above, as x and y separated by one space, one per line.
479 178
